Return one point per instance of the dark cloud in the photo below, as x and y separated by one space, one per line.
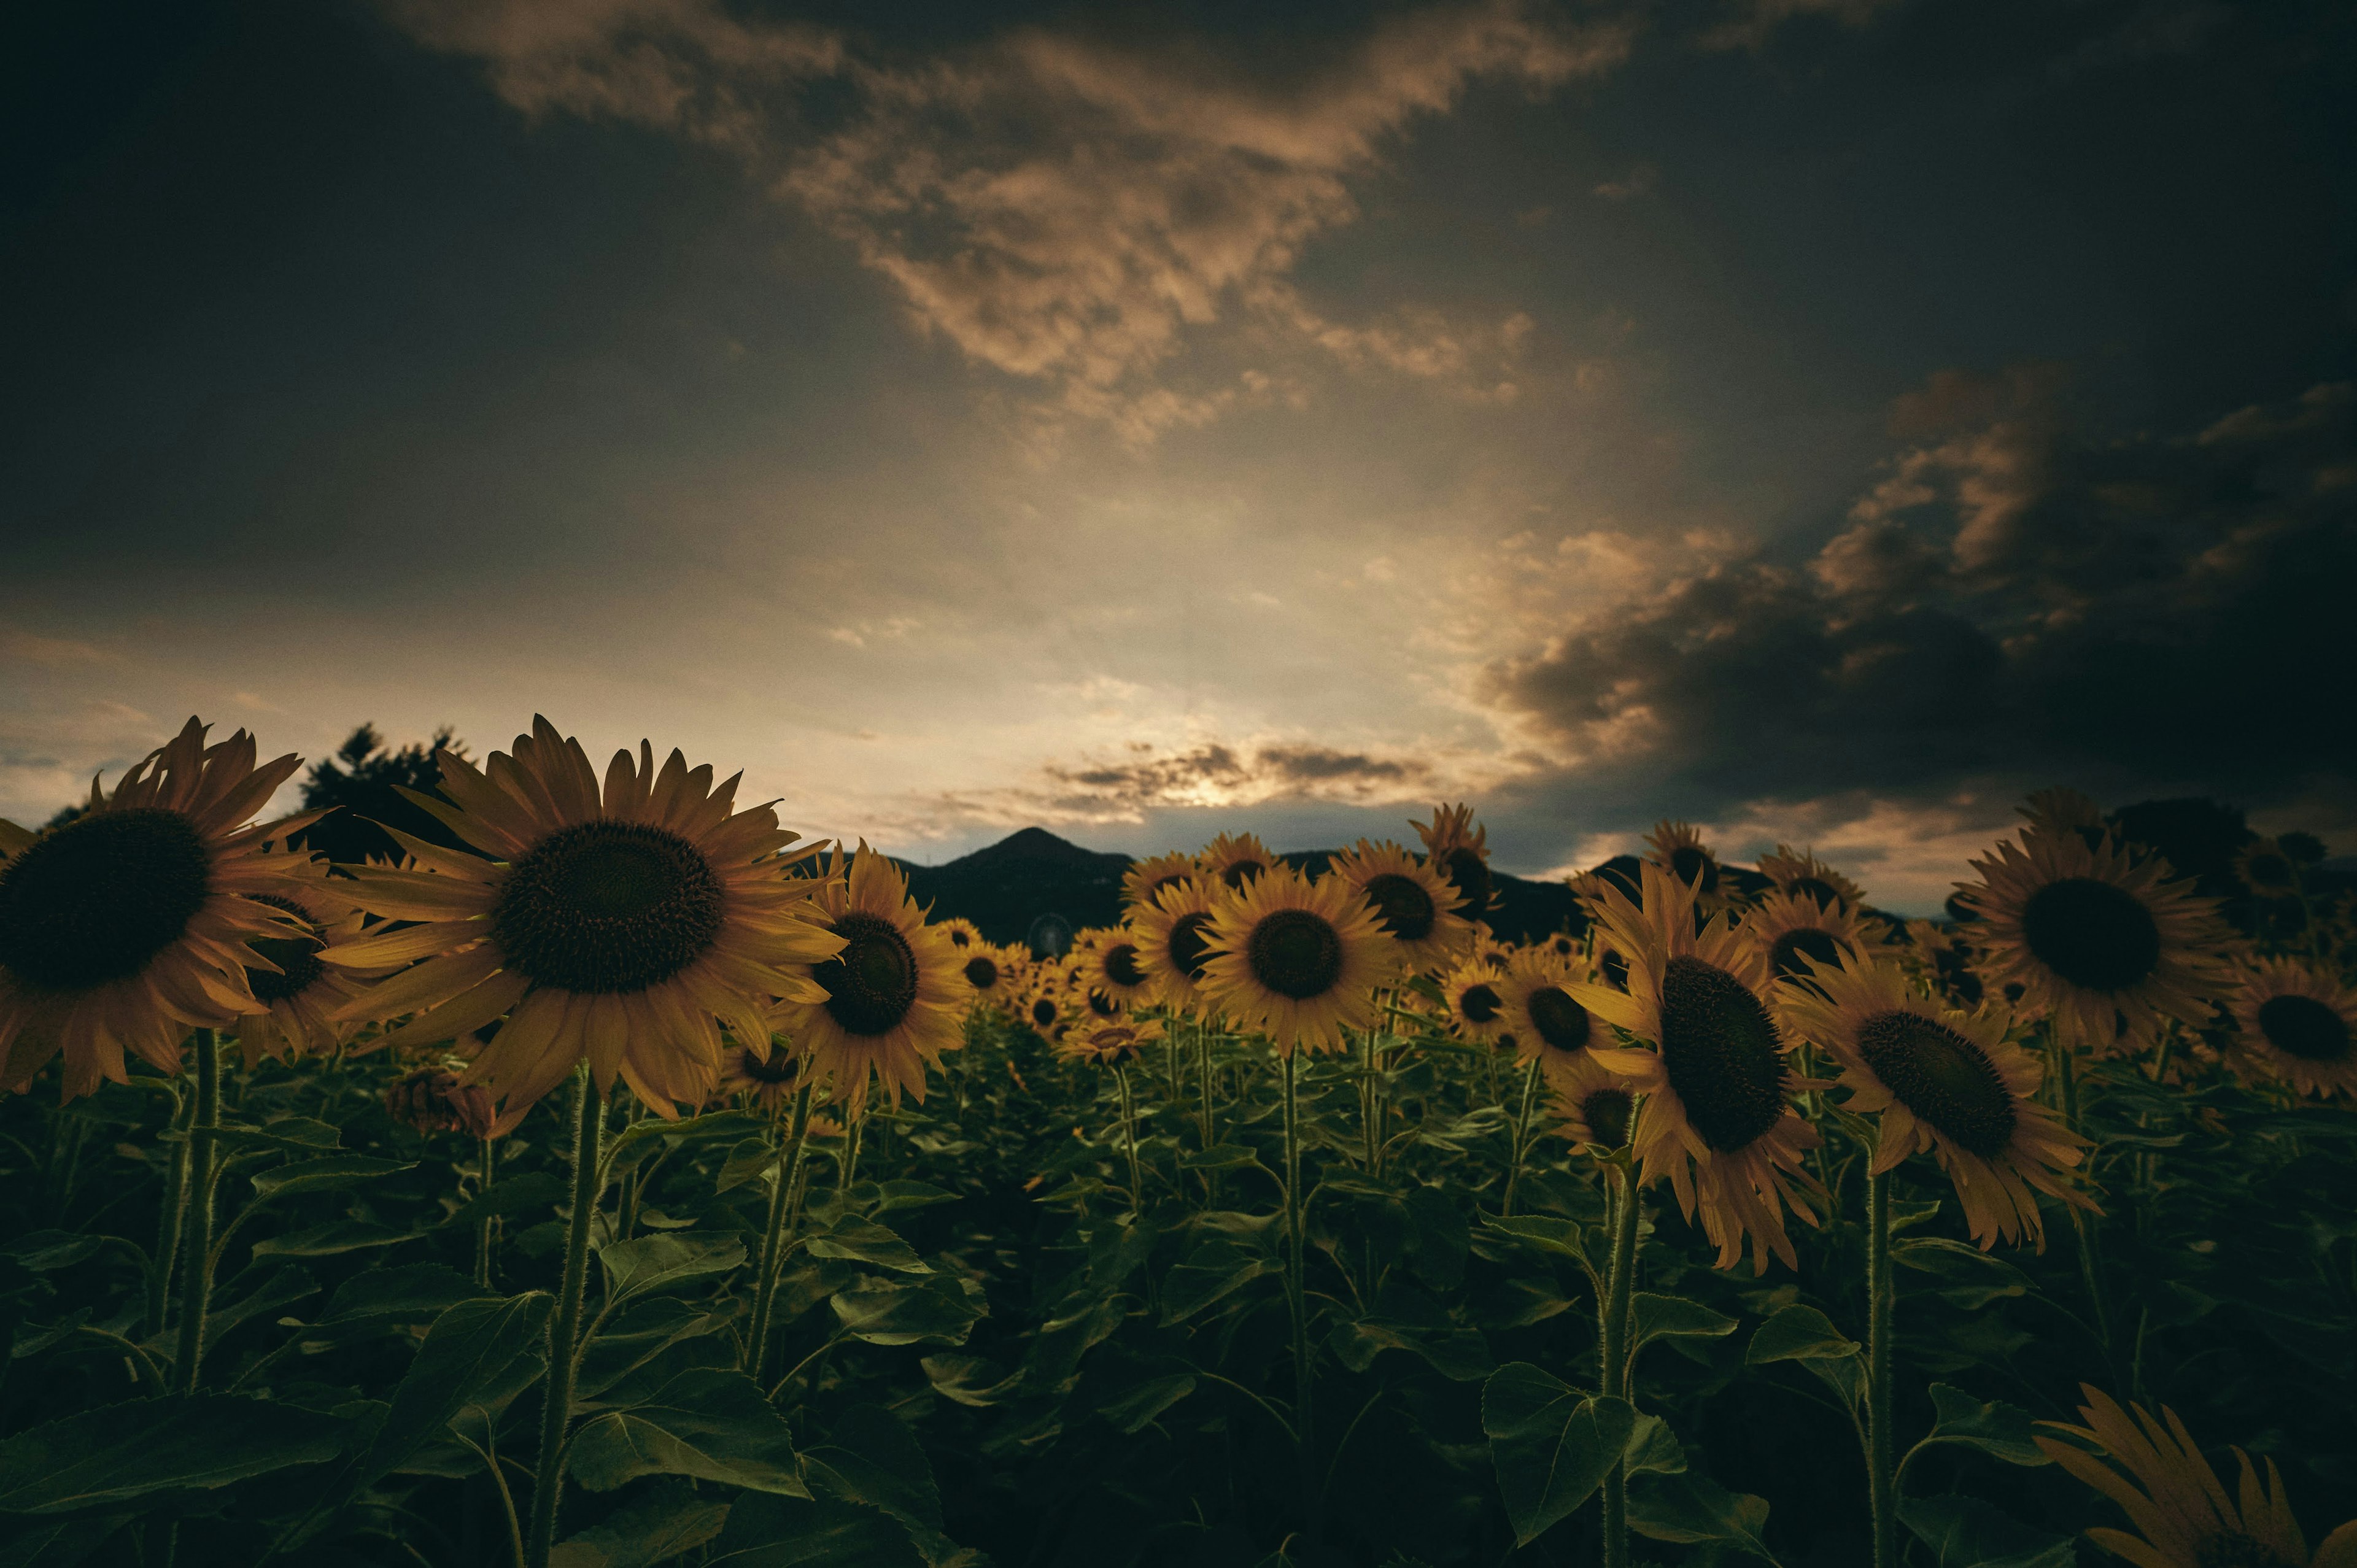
2013 600
1147 778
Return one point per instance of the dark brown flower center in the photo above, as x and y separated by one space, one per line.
1943 1078
1719 1052
959 937
1469 875
1191 949
1606 1111
872 983
1562 1023
97 899
1043 1013
2233 1549
1154 891
297 969
1695 867
1102 1006
2268 870
1295 953
778 1067
1478 1004
2093 934
1121 965
981 974
1403 907
1236 872
608 907
1785 953
2304 1027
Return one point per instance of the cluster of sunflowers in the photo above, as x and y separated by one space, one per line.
640 928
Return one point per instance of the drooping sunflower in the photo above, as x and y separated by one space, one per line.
300 995
1460 849
2266 870
2301 1024
1799 873
1717 1118
1593 1103
1945 1081
1415 905
1540 1011
1116 966
1677 848
2180 1513
1108 1045
1145 880
890 1003
618 927
2104 945
1174 940
1792 932
132 924
1233 859
1298 961
765 1080
1476 996
960 932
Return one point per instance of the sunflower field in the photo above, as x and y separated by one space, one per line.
610 1178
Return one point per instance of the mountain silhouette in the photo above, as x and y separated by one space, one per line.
1006 886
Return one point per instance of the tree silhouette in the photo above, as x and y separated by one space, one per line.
365 793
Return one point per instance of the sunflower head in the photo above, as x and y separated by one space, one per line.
1476 997
1298 960
1799 873
2299 1024
892 990
1594 1106
2267 870
1233 860
986 971
1796 935
435 1099
1677 848
301 996
1146 880
1415 905
1173 936
960 932
1540 1013
1116 965
1458 848
2065 813
1109 1044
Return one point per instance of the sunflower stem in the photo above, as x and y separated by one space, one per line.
170 1215
1522 1138
197 1232
1129 1141
1881 1492
782 1204
1612 1336
1203 1086
1297 1291
564 1323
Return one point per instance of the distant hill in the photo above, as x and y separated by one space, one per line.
1006 886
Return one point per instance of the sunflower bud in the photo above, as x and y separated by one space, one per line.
432 1099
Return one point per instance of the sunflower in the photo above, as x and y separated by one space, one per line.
2266 870
984 970
435 1099
1174 940
1476 997
1594 1103
1116 966
889 999
1461 850
1944 962
1099 1006
1298 960
961 932
767 1079
1234 859
131 925
1042 1010
300 995
1716 1119
1415 905
1539 1011
1799 873
2302 1023
1677 848
1108 1045
1145 880
1792 932
616 929
2102 944
2181 1514
1946 1082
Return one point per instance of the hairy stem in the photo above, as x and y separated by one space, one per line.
197 1232
1613 1337
564 1323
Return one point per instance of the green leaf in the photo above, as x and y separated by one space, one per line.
668 1521
1461 1355
300 1135
1543 1232
1213 1271
532 1192
1220 1158
175 1443
1653 1317
1993 1427
1689 1507
40 1543
865 1241
1970 1278
1134 1412
709 1424
327 1240
1965 1533
1653 1446
660 1261
471 1347
751 1159
635 1341
414 1293
823 1532
1551 1445
871 1457
893 1311
1441 1238
1799 1334
283 1289
970 1379
46 1251
898 1195
325 1173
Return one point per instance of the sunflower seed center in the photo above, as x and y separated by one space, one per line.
1235 874
1191 949
1478 1005
981 974
2304 1027
779 1066
1403 907
1695 867
1043 1013
1102 1006
1121 965
2268 870
1943 1078
1606 1111
2095 935
608 907
872 983
1719 1051
297 969
1295 953
1562 1023
97 899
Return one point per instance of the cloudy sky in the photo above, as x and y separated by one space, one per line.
1823 420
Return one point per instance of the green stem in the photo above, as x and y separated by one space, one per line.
1203 1084
564 1323
1129 1141
848 1172
773 1240
1521 1137
487 1167
1296 1288
2082 1230
170 1215
197 1233
1612 1334
1882 1297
